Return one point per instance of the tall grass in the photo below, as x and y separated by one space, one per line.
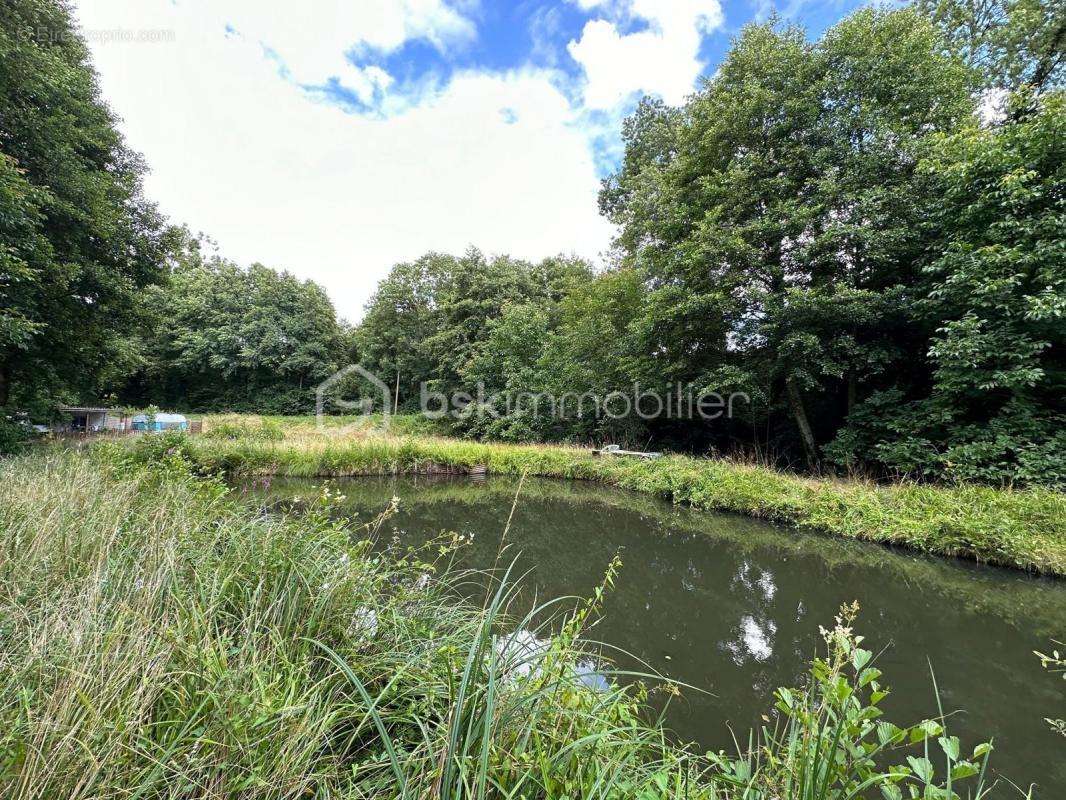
157 640
1025 529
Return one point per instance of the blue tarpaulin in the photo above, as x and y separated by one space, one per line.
161 422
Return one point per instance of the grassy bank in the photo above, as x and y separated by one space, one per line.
158 640
1025 529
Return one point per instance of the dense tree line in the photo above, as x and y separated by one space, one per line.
216 336
828 227
863 234
887 271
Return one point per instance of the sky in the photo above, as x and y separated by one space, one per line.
335 139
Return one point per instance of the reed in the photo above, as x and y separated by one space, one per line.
159 641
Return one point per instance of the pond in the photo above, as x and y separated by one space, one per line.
733 605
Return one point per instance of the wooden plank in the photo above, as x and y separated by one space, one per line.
615 450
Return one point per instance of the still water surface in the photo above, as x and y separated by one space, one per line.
733 605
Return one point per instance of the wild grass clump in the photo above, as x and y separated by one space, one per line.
266 430
297 427
1022 528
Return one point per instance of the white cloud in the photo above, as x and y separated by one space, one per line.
313 45
313 40
662 59
496 160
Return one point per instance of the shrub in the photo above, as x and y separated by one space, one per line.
266 431
14 436
831 742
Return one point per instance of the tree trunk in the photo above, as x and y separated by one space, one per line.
795 400
5 383
851 391
1044 67
1049 58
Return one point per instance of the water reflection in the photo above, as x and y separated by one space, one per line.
753 635
754 640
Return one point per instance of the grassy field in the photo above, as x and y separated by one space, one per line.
160 640
1025 529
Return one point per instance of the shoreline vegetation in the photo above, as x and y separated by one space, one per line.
1020 528
162 640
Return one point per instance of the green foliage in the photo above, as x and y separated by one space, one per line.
1013 44
165 452
544 362
777 216
833 743
14 435
430 321
221 337
77 238
997 294
268 430
509 362
825 227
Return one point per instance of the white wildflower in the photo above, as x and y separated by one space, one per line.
364 624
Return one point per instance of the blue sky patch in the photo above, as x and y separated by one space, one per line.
601 57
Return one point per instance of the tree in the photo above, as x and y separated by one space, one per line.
429 319
505 377
399 318
545 368
781 198
594 351
77 239
222 337
24 255
470 295
1014 44
996 293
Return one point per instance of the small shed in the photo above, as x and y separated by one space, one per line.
91 419
161 422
